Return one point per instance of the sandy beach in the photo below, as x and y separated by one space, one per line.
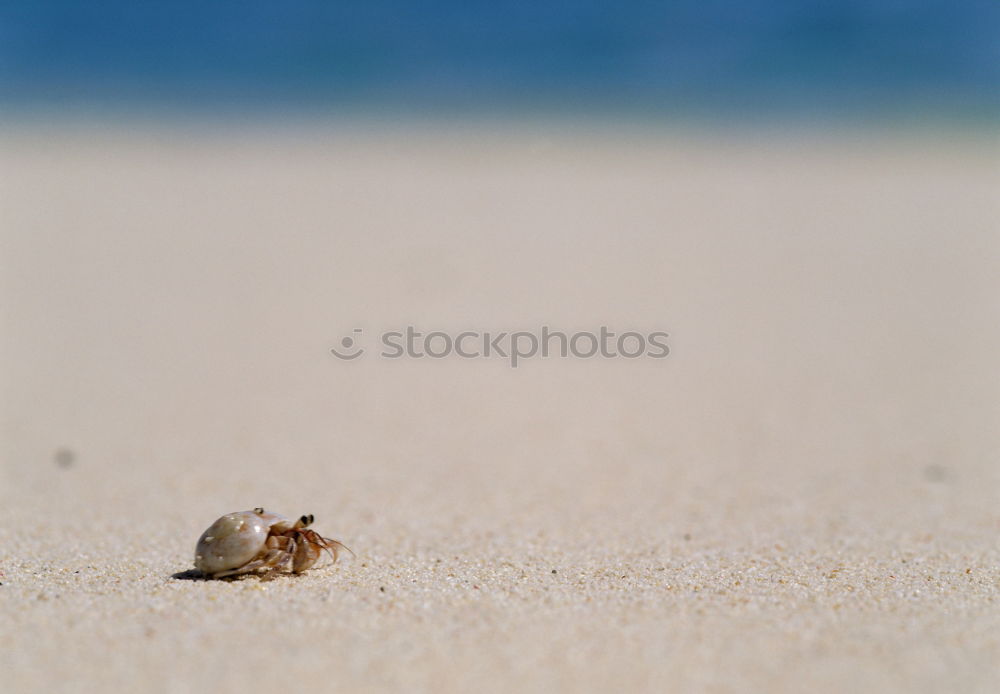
802 497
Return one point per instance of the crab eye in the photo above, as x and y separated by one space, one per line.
258 510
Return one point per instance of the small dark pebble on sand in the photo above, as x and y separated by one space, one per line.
64 457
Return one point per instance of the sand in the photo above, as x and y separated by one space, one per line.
801 497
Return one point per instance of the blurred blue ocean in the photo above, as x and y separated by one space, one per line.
851 56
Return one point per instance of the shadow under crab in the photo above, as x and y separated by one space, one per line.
266 576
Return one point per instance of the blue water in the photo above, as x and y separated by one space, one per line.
728 56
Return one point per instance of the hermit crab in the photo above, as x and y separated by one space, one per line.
260 541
